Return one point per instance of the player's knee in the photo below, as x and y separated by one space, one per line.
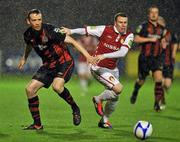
58 88
118 88
30 90
167 85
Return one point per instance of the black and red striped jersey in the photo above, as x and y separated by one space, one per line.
147 29
171 39
49 44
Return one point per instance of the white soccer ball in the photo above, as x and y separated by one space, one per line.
143 130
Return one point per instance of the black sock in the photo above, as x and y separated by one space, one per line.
34 109
136 88
68 98
158 92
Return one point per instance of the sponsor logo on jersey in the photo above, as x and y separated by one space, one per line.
109 36
42 47
111 46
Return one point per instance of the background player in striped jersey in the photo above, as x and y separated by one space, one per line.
169 58
49 43
114 42
149 36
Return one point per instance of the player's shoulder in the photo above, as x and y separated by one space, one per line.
48 26
109 27
27 33
141 27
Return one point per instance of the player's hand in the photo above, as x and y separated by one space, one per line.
100 57
153 39
65 30
92 60
21 64
164 43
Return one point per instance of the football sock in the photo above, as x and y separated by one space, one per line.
106 95
110 107
159 92
68 98
136 88
34 109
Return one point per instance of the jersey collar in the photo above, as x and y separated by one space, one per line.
115 29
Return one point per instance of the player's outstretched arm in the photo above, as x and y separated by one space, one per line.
22 61
140 39
90 59
68 31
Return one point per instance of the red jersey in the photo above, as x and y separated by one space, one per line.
110 40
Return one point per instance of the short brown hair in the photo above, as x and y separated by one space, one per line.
119 14
153 6
33 11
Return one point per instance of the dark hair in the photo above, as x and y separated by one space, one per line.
34 11
119 14
153 6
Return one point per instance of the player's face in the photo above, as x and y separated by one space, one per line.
153 14
121 24
35 21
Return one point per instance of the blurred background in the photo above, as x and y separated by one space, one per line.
76 13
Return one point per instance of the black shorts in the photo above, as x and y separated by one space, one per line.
147 64
168 71
46 75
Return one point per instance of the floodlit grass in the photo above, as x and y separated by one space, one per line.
57 118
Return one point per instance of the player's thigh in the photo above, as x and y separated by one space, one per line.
143 67
106 78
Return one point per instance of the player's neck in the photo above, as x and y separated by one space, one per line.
153 22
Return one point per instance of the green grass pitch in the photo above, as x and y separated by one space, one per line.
57 118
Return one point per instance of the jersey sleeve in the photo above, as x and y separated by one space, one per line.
27 38
56 35
174 38
95 30
128 41
141 30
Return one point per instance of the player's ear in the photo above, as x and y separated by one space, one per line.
27 21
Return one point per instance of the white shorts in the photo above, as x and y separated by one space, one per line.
105 76
83 68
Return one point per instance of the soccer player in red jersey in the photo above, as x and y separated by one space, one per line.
169 58
149 35
49 43
114 42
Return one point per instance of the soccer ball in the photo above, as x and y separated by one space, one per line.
143 130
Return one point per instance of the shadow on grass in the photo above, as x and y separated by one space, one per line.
163 139
78 135
175 118
4 135
174 108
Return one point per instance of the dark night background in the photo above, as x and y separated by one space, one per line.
76 13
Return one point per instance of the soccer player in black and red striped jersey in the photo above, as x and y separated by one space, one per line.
149 35
169 58
50 44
